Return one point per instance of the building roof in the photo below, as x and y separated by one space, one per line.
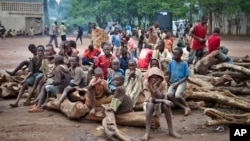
41 1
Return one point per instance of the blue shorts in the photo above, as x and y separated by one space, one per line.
179 91
31 79
49 87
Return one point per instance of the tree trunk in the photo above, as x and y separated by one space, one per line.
220 97
210 23
238 75
200 82
111 130
232 66
236 90
220 118
46 12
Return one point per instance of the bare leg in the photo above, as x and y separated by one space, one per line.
57 104
183 106
20 66
20 94
89 75
183 102
168 117
149 113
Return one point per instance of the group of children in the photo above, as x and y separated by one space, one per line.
114 79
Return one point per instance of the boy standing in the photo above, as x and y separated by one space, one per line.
178 72
155 90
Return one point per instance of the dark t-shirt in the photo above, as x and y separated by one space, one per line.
35 65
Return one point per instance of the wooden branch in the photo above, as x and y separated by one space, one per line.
220 118
231 66
111 129
247 65
236 90
219 97
240 59
233 74
199 82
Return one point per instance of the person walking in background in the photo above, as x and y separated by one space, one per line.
128 29
79 35
31 32
53 32
63 31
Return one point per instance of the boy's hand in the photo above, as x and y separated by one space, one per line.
169 103
92 112
175 85
132 74
155 86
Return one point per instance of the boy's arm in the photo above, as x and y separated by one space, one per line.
146 91
180 81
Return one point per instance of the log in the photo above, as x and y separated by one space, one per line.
219 81
232 66
220 118
9 90
219 97
73 110
202 66
199 82
138 120
240 59
236 90
111 129
238 75
3 78
247 65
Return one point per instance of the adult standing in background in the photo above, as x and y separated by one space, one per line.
79 35
198 43
128 29
98 35
53 33
63 31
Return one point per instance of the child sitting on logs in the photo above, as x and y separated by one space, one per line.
133 81
121 103
34 72
98 92
77 80
155 90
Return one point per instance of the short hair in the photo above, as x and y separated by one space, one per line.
76 57
72 43
148 46
32 46
132 60
91 45
119 75
204 17
40 46
217 30
98 70
59 59
116 60
179 50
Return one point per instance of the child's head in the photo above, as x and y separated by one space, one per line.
177 53
59 60
148 46
154 63
217 30
50 46
115 64
91 47
160 45
107 49
118 79
49 51
74 61
40 50
98 73
32 48
72 44
155 76
132 65
124 52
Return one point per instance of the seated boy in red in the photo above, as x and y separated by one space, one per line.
89 55
145 56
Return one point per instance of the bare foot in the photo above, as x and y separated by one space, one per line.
10 73
175 135
33 106
14 105
187 112
56 105
34 101
145 137
35 110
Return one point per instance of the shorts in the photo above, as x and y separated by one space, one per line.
157 108
179 91
31 79
50 88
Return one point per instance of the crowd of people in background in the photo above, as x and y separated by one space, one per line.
116 64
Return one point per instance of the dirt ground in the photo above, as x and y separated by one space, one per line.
19 125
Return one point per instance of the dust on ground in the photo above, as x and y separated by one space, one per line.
19 125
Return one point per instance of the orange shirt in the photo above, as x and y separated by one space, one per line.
168 44
90 54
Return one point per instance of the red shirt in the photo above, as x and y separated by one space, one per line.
90 54
145 57
200 32
104 63
213 42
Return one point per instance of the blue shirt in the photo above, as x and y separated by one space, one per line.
178 70
116 40
128 27
124 63
110 79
